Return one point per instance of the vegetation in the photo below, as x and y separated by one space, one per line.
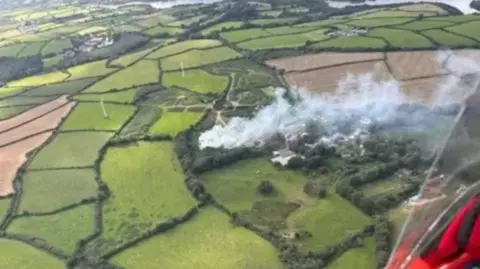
401 38
352 42
195 80
21 255
124 96
129 59
162 30
448 39
184 46
174 122
470 29
361 257
39 80
241 35
93 69
195 58
70 87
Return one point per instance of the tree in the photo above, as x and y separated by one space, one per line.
266 187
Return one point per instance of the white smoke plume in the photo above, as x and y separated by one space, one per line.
358 97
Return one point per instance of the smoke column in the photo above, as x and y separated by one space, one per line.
359 96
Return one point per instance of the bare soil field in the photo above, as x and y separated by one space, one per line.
313 61
44 123
326 80
32 113
413 64
13 156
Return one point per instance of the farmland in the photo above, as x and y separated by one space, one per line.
116 126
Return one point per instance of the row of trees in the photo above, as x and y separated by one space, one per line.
14 68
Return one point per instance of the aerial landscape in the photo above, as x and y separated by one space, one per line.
262 134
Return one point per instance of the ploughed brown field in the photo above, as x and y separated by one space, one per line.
24 133
420 74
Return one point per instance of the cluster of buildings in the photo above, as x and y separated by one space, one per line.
93 42
348 32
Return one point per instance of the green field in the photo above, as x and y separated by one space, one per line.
174 122
221 26
31 49
188 21
89 116
424 25
470 29
381 187
93 69
394 13
184 46
263 22
39 80
129 59
147 188
49 62
143 72
11 50
77 149
7 112
283 41
241 35
321 23
378 22
448 39
282 30
41 189
27 100
125 96
16 255
207 242
70 87
195 58
159 30
62 230
401 38
4 205
353 42
363 257
196 80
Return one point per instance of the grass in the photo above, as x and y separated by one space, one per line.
401 38
92 30
62 230
17 255
378 22
282 30
188 21
424 25
145 117
263 22
195 58
143 72
394 13
470 29
241 35
184 46
11 50
76 149
207 242
196 80
363 257
224 25
8 112
69 87
320 23
56 46
93 69
147 188
174 122
448 39
49 62
382 186
49 190
273 13
126 97
352 42
283 41
24 100
128 59
159 30
458 18
39 80
4 205
337 217
89 116
31 49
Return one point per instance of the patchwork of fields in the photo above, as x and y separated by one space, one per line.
91 167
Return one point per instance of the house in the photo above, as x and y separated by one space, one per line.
282 156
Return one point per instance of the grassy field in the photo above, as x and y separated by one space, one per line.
401 38
346 42
128 59
188 21
39 80
7 112
70 87
121 96
89 116
174 122
283 41
92 30
282 30
143 72
93 69
31 49
195 58
146 116
381 187
241 35
195 80
263 22
24 100
470 29
147 188
223 25
12 50
378 22
4 205
45 191
16 255
424 25
448 39
71 150
159 30
62 230
394 13
184 46
207 242
321 23
51 61
363 257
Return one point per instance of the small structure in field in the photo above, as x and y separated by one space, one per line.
282 156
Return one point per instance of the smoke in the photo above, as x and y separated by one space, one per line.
357 102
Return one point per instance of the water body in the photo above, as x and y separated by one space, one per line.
462 5
162 4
